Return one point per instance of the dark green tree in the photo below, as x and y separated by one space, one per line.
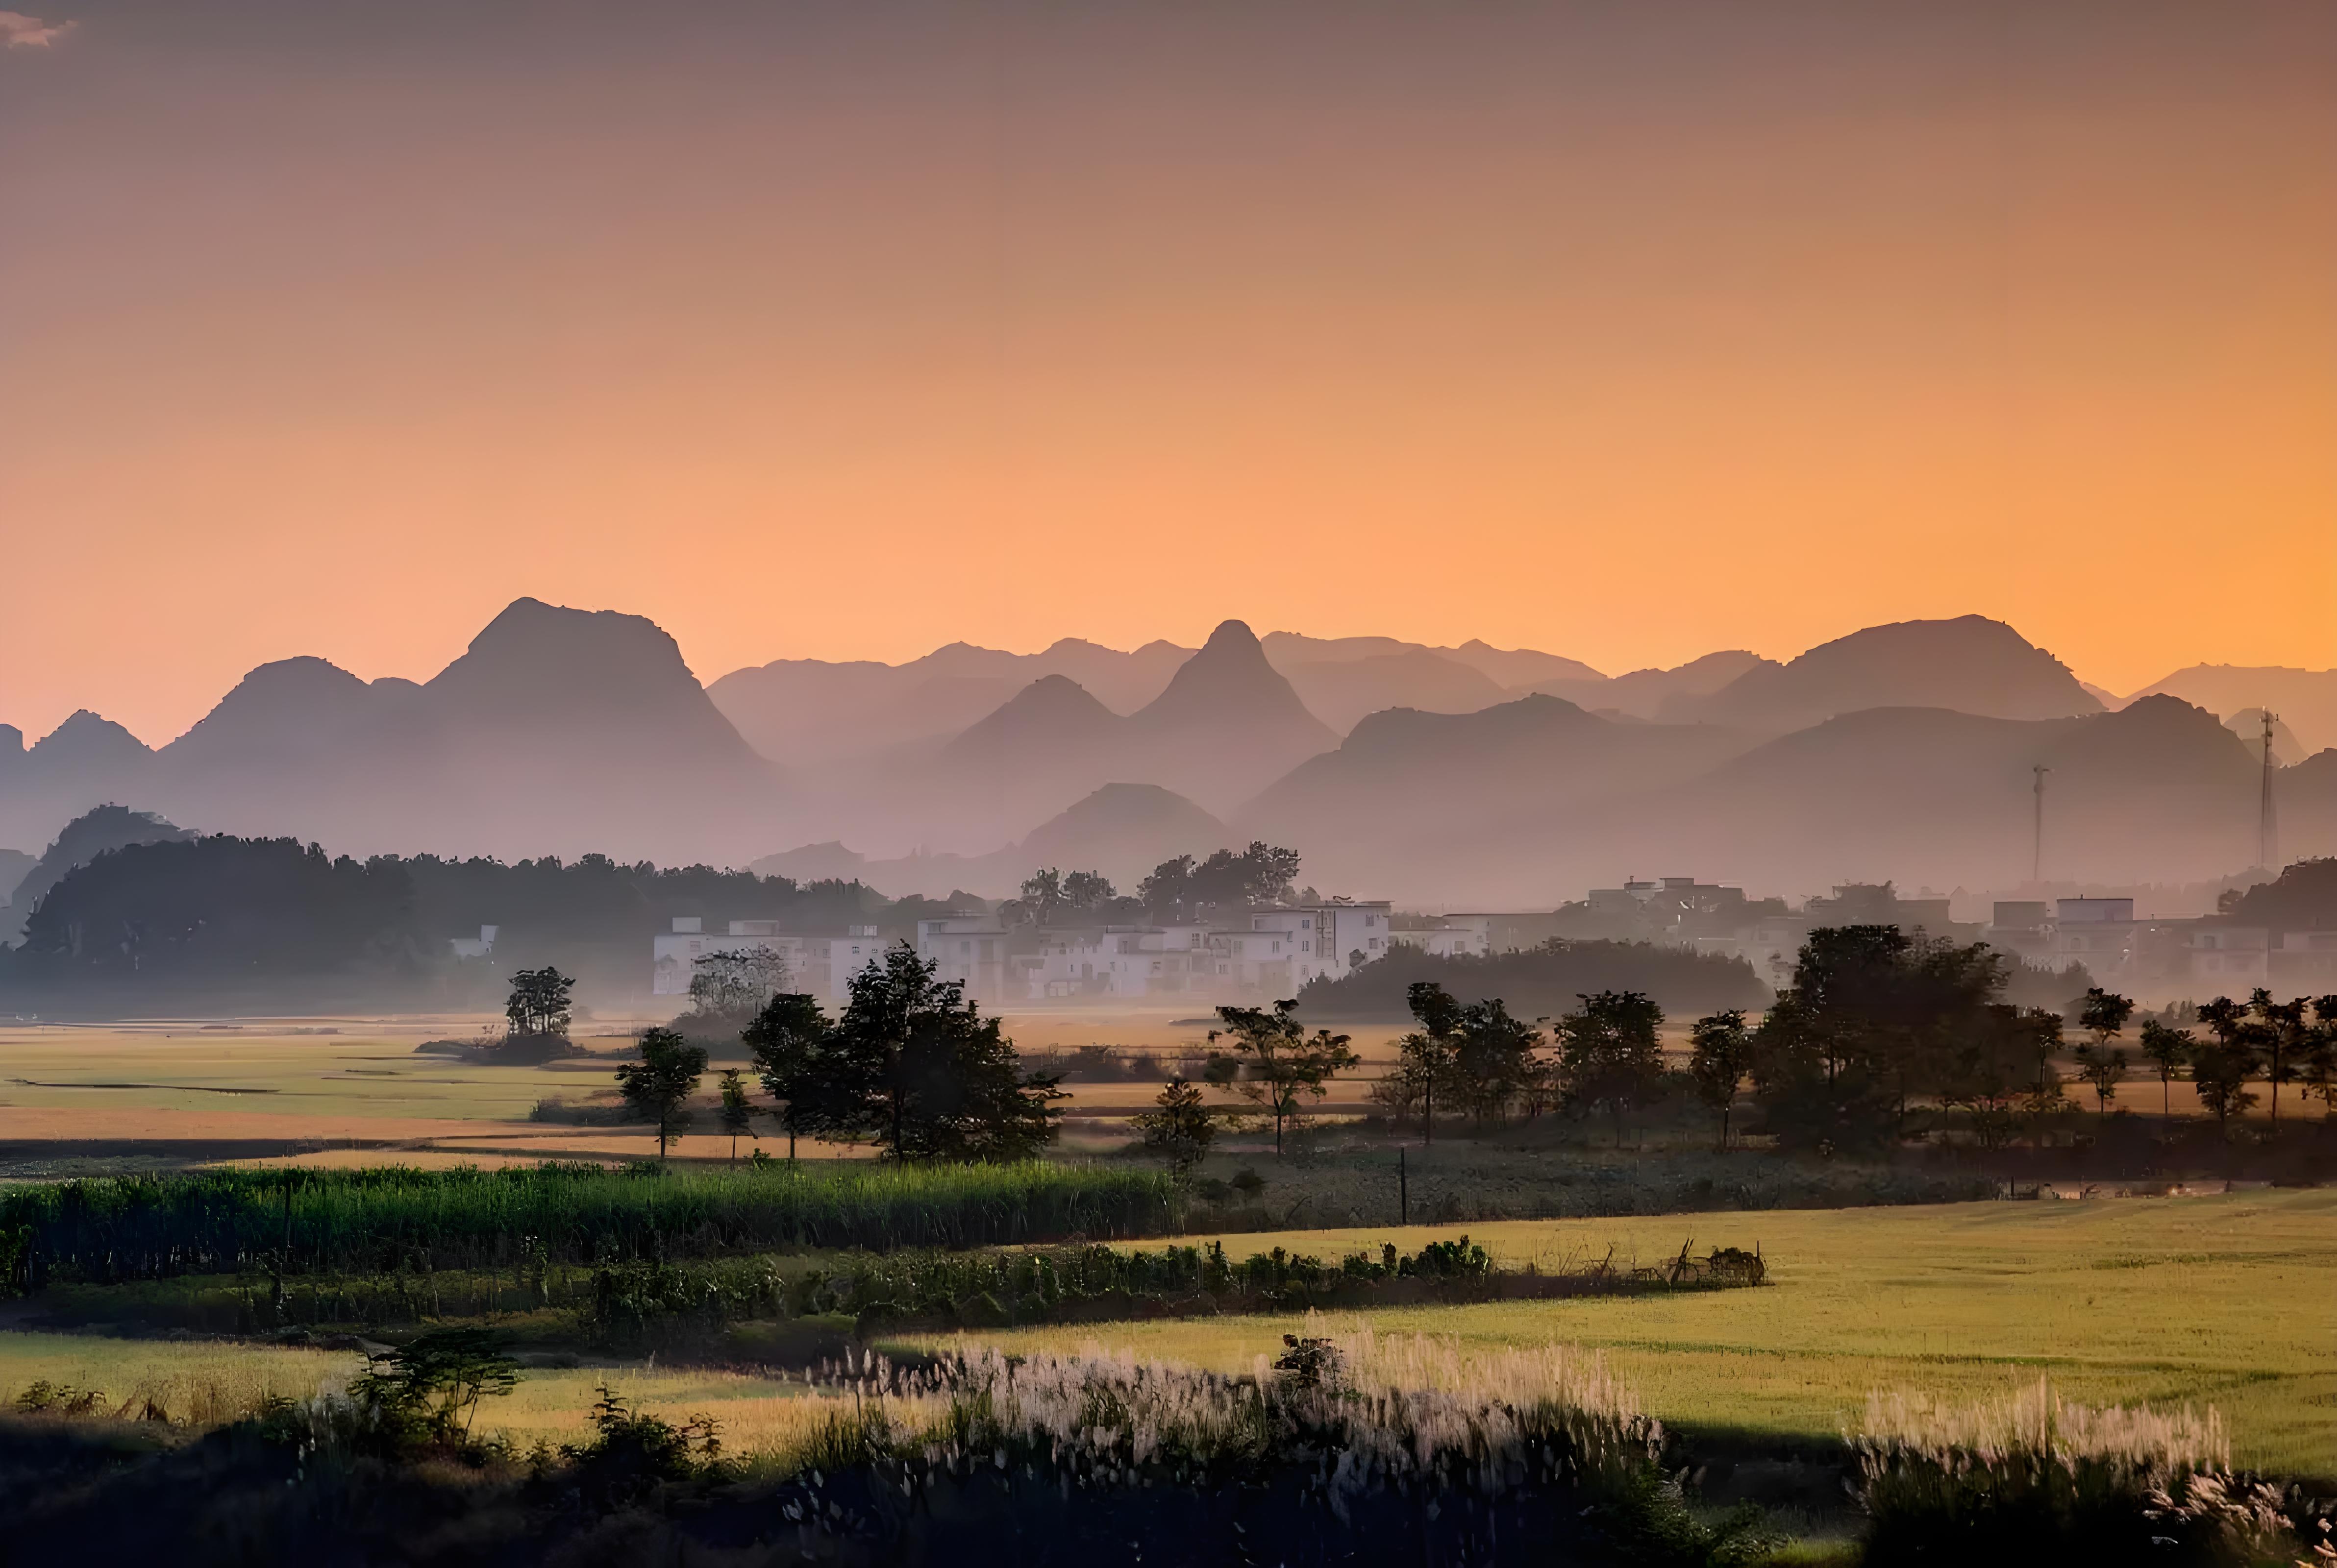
1180 1127
1260 874
2168 1051
2103 1070
658 1086
539 1003
790 1040
738 1111
1495 1060
1273 1061
1608 1054
1425 1058
1873 1020
2102 1015
914 1065
1720 1055
2285 1036
2222 1067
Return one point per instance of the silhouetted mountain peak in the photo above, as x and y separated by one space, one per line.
536 653
292 701
1229 683
88 740
1969 663
1051 711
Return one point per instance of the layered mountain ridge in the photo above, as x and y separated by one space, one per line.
1467 774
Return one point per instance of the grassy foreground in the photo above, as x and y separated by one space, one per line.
2229 1300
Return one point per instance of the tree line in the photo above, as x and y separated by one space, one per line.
1879 1035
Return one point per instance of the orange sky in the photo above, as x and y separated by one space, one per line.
844 331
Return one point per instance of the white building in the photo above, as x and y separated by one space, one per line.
1117 961
818 965
971 949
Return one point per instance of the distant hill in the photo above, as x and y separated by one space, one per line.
2158 791
1227 724
806 712
555 730
1122 830
1657 693
14 865
1968 665
2306 699
1340 692
1527 804
83 840
1408 787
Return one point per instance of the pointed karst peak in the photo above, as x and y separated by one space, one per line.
1232 636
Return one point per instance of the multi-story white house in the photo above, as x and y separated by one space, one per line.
972 949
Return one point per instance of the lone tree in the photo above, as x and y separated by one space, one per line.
2103 1071
1720 1055
1180 1127
660 1085
1273 1060
789 1039
1608 1054
2168 1049
2102 1015
2222 1067
912 1064
2285 1039
428 1390
738 1112
539 1002
1426 1057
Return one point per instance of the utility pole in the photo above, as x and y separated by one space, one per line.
2267 823
2036 840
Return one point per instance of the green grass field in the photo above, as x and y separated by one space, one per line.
2226 1301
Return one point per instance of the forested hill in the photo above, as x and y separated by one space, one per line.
274 923
1548 980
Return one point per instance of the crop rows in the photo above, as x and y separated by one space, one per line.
311 1222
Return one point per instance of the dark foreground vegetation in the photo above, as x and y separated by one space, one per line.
1352 1451
391 1219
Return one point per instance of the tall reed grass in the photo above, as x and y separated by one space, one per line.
307 1222
2030 1477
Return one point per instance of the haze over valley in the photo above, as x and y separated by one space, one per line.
1453 776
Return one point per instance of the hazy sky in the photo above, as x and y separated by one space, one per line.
1627 330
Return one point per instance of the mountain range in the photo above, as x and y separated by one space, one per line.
1435 773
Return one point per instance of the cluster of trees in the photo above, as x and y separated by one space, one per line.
910 1065
1177 889
1877 1023
1540 981
1186 888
